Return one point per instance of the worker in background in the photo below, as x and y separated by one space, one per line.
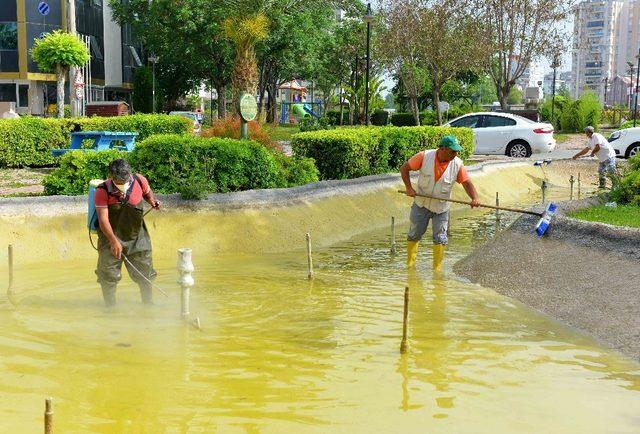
122 233
439 170
600 147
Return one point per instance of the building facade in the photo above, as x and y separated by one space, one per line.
114 55
606 41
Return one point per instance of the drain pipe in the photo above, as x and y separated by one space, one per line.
185 268
309 258
403 345
48 416
393 235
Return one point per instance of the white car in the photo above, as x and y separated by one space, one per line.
626 142
506 134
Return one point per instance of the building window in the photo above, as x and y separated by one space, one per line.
8 36
23 95
8 92
595 23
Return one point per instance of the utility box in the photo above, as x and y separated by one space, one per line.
107 108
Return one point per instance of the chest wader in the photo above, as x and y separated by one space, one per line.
128 225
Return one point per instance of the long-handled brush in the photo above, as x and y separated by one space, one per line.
541 226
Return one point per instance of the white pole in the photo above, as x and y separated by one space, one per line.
185 268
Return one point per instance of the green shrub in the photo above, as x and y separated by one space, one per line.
380 118
313 124
297 170
572 117
591 109
76 169
143 90
334 117
28 141
626 188
629 124
189 165
353 152
400 119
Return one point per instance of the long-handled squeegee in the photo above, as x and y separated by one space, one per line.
541 226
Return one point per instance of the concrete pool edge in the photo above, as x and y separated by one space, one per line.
250 199
581 274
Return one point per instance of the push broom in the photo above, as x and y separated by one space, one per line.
541 226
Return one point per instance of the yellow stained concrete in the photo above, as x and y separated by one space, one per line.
280 354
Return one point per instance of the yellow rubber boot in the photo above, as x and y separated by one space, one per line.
438 255
412 253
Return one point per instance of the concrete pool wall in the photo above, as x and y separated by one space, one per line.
260 221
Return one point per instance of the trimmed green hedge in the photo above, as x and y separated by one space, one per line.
189 165
28 141
346 153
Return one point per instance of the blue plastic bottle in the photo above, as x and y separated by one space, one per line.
543 223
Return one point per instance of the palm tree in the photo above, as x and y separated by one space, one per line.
245 32
57 52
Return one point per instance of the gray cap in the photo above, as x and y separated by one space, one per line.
589 129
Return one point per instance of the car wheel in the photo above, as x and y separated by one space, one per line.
633 150
519 150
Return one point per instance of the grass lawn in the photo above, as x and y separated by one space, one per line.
281 132
622 215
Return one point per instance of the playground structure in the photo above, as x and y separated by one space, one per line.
294 105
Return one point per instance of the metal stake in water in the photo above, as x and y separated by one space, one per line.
393 235
48 416
544 191
10 258
497 204
309 258
185 268
571 181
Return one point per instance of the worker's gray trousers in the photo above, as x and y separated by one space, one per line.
109 273
419 219
606 167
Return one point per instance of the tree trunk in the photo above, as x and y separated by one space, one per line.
503 95
415 110
274 101
341 105
60 72
436 103
222 100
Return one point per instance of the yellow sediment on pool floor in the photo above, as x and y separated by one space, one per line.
280 354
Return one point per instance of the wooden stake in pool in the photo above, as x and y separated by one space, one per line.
571 181
10 257
579 186
309 259
497 205
393 235
48 416
405 316
544 191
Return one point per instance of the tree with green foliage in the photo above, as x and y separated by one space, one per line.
57 52
143 90
190 42
515 96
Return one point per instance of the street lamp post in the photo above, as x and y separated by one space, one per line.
606 84
635 105
368 18
153 59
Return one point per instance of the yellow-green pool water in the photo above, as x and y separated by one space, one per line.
280 354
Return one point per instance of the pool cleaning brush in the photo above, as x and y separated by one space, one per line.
541 226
